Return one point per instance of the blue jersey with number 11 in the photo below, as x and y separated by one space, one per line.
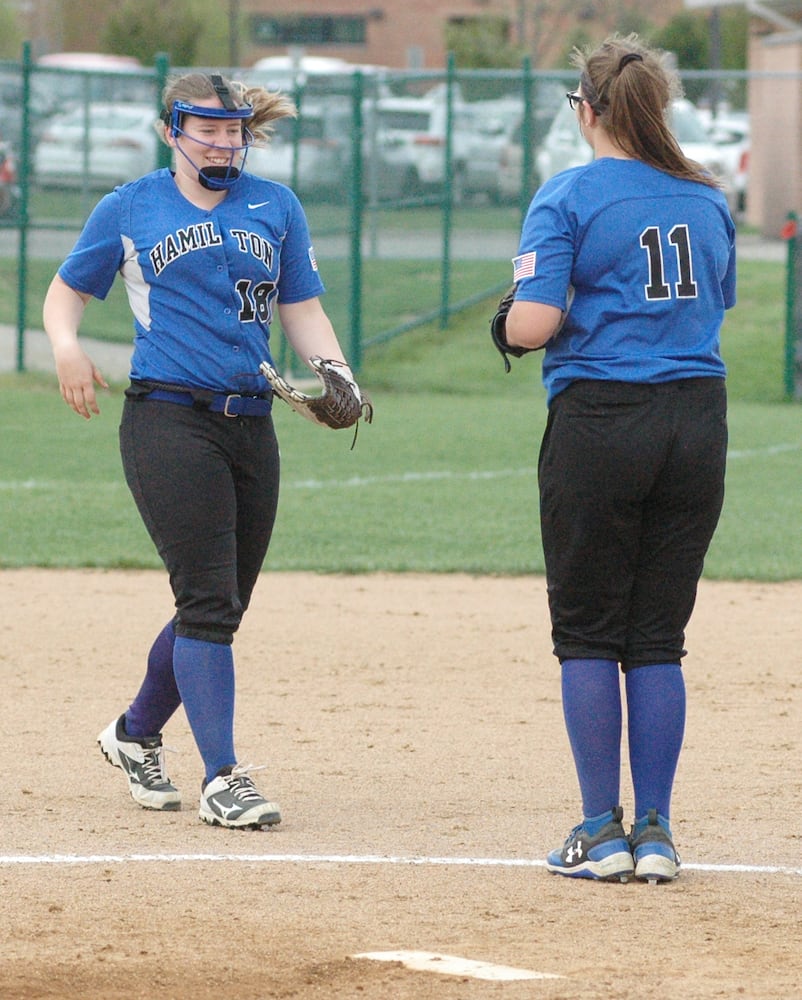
652 263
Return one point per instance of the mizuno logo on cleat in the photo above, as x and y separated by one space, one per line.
228 811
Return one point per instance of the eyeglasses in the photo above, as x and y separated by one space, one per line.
574 99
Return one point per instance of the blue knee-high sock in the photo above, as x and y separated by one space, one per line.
158 697
204 672
656 725
591 696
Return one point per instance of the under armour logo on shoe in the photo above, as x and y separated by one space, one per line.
574 852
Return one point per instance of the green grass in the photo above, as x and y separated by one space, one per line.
442 481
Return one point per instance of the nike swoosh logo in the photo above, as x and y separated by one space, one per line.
258 204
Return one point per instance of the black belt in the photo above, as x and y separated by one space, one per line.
229 404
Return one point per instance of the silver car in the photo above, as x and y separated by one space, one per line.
98 146
564 147
311 153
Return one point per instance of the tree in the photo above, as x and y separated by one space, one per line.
214 43
482 43
143 28
689 37
11 37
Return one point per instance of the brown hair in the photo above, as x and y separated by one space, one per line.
630 87
268 106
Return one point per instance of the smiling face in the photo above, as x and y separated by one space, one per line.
202 143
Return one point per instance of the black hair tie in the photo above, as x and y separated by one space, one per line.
628 58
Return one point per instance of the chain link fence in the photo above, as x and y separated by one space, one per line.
415 183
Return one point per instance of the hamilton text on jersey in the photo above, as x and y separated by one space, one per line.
203 235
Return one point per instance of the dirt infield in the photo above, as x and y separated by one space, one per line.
413 735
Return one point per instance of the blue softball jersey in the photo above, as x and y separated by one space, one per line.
202 284
651 260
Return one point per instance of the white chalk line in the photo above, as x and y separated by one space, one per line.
343 859
400 478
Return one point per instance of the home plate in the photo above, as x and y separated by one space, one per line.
451 965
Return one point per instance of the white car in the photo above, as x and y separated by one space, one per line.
496 122
313 154
499 125
97 146
310 154
408 135
564 146
696 142
731 133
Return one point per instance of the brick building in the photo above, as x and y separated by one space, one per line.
411 33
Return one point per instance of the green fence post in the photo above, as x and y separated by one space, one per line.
355 309
24 175
527 159
164 154
445 273
793 330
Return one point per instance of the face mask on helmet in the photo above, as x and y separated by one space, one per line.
216 178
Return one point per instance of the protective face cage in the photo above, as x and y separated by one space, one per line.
222 177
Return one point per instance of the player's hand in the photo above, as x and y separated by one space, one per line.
77 377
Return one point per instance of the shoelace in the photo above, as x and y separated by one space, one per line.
153 764
241 784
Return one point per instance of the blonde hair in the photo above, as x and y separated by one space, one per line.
268 106
630 87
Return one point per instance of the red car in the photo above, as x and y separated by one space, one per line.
9 192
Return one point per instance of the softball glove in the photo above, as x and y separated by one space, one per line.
340 405
498 330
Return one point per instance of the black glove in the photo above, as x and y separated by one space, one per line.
498 330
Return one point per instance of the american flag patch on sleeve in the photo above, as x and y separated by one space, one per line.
312 258
523 266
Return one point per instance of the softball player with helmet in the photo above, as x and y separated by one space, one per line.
631 466
207 252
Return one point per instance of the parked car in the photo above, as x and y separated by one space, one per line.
563 147
311 154
409 137
11 95
499 123
314 76
9 189
99 146
731 133
696 142
61 80
495 125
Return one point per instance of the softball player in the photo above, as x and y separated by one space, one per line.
631 467
207 252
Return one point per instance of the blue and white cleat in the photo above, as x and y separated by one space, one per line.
656 859
604 855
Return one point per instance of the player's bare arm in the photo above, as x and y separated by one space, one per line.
309 330
77 374
531 324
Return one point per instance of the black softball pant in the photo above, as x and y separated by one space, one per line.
206 486
631 483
